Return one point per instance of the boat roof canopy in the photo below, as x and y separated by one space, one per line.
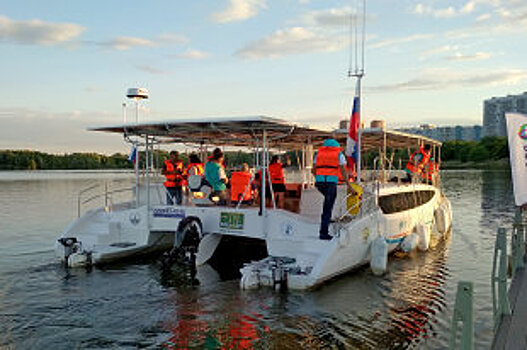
248 132
373 139
231 131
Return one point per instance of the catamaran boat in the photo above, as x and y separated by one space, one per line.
390 214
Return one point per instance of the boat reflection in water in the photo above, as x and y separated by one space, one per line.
398 310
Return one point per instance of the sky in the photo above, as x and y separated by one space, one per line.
66 65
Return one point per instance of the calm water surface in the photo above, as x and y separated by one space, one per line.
44 306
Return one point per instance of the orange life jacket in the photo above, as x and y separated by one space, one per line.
199 169
418 168
276 170
327 161
239 182
430 169
174 180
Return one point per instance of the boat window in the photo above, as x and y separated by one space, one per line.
398 202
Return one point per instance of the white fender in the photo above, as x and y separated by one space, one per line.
249 280
441 219
379 256
410 242
423 232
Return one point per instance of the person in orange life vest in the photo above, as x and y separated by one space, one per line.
430 171
241 187
276 172
417 162
174 172
327 165
195 166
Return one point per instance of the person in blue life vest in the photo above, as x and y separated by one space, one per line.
327 165
216 177
174 173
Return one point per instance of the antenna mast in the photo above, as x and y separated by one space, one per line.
356 66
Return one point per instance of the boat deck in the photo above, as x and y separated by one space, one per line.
512 331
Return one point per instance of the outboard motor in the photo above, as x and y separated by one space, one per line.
71 245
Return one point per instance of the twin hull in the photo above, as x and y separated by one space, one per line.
292 239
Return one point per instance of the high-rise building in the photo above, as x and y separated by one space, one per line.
494 110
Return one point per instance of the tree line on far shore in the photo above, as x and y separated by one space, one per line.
486 150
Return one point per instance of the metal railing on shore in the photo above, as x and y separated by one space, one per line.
501 264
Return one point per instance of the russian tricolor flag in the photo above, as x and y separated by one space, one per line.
133 155
353 139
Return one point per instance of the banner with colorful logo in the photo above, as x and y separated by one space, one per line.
517 134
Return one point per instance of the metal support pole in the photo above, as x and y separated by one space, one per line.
463 312
359 132
517 243
264 169
137 159
500 306
147 180
106 195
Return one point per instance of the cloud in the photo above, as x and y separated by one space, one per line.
290 41
239 10
469 57
438 50
171 38
333 17
445 79
127 42
191 54
483 17
447 12
397 41
37 32
150 69
123 43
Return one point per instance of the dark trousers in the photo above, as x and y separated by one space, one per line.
329 191
174 193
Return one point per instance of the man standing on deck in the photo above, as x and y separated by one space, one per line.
327 165
418 160
174 172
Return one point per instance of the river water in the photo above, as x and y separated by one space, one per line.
44 306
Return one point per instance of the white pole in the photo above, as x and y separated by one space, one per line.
136 110
136 145
264 169
147 159
359 132
124 113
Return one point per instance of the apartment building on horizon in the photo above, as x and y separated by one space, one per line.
494 110
447 133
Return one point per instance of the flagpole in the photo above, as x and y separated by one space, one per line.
359 130
356 70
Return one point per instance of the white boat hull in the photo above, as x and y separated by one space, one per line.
296 254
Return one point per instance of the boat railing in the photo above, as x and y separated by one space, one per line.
392 173
366 204
88 195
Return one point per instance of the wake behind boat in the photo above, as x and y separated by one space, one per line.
389 215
